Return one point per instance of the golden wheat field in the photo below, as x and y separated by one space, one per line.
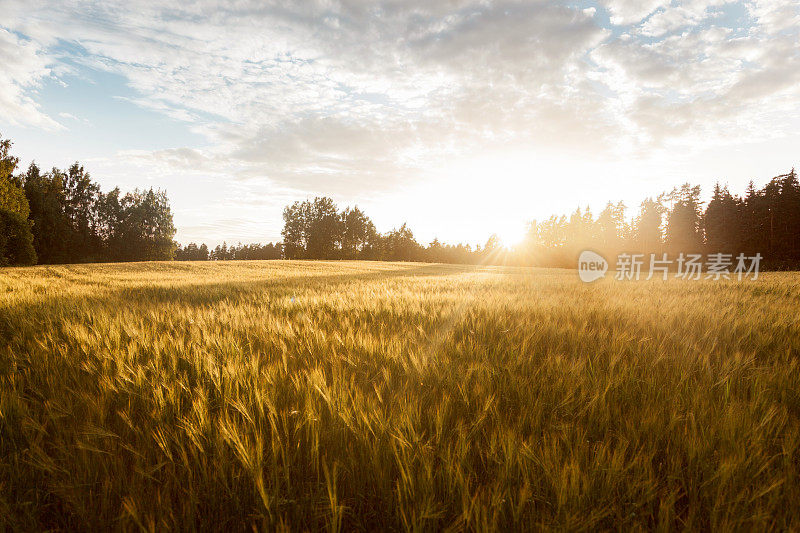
394 396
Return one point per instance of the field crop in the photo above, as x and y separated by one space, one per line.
395 396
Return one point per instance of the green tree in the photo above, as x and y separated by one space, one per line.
295 229
145 228
16 240
110 217
325 229
52 233
402 246
314 229
12 196
80 199
357 234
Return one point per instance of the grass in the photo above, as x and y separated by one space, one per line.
363 396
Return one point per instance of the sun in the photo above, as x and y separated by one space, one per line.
511 235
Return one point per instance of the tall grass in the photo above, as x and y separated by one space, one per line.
300 395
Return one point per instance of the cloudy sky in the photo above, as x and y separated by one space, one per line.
461 117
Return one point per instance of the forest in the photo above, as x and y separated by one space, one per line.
765 221
62 216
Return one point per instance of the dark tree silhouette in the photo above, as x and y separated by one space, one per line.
295 229
358 235
315 229
721 222
400 245
647 233
192 252
683 220
325 229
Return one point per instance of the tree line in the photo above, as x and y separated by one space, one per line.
193 252
62 216
764 221
318 229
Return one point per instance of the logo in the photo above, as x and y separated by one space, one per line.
591 266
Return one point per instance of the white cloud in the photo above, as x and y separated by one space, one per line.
342 97
338 89
23 67
707 83
341 93
631 11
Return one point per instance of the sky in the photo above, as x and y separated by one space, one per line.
462 118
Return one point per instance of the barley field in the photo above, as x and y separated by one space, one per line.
394 396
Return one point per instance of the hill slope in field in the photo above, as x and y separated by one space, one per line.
394 396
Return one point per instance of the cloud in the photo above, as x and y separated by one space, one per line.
685 15
24 67
278 77
343 97
708 82
625 12
341 94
